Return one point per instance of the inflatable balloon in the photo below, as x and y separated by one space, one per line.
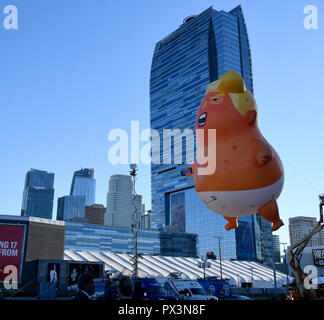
248 175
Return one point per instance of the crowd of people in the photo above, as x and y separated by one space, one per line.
115 290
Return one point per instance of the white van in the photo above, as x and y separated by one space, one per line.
187 290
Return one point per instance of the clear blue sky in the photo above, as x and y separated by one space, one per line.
74 70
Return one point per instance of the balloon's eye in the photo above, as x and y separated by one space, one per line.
216 100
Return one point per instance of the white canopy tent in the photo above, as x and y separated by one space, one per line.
161 266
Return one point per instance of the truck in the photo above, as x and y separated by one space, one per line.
150 289
219 288
187 290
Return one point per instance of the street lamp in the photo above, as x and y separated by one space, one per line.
204 264
134 225
286 260
220 254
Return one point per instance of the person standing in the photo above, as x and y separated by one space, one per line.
86 287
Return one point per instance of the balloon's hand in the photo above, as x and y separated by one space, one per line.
187 172
262 151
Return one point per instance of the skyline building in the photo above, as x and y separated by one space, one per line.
38 194
146 220
300 226
95 213
276 248
202 49
84 184
70 207
119 202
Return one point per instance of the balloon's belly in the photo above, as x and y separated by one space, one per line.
240 203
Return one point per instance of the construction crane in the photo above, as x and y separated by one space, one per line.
294 256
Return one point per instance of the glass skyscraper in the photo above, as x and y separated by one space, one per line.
69 207
84 184
202 49
38 194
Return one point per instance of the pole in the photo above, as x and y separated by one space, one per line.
134 226
220 255
286 260
274 271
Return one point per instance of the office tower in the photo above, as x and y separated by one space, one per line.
146 220
119 202
202 49
299 227
38 194
140 209
84 184
276 248
70 207
95 213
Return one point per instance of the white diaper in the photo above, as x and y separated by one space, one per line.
240 203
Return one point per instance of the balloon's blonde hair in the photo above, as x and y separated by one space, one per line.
233 84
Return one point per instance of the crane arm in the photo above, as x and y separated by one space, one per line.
296 250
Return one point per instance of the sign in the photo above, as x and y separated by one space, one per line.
75 269
53 273
11 247
318 257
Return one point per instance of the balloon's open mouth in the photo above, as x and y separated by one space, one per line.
202 119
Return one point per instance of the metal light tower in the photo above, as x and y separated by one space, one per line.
134 225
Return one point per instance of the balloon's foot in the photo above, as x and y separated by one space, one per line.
231 225
276 225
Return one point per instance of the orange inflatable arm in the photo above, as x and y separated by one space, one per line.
262 151
189 171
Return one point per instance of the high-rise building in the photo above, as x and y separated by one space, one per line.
146 220
95 213
38 194
202 49
276 248
84 184
299 227
70 207
119 202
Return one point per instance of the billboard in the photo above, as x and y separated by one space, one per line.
318 257
178 213
11 248
75 269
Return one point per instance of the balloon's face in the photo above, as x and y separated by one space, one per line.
217 111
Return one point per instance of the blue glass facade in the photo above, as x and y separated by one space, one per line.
252 240
84 184
183 64
38 194
69 207
207 224
81 236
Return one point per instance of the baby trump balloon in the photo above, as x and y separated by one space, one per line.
248 176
